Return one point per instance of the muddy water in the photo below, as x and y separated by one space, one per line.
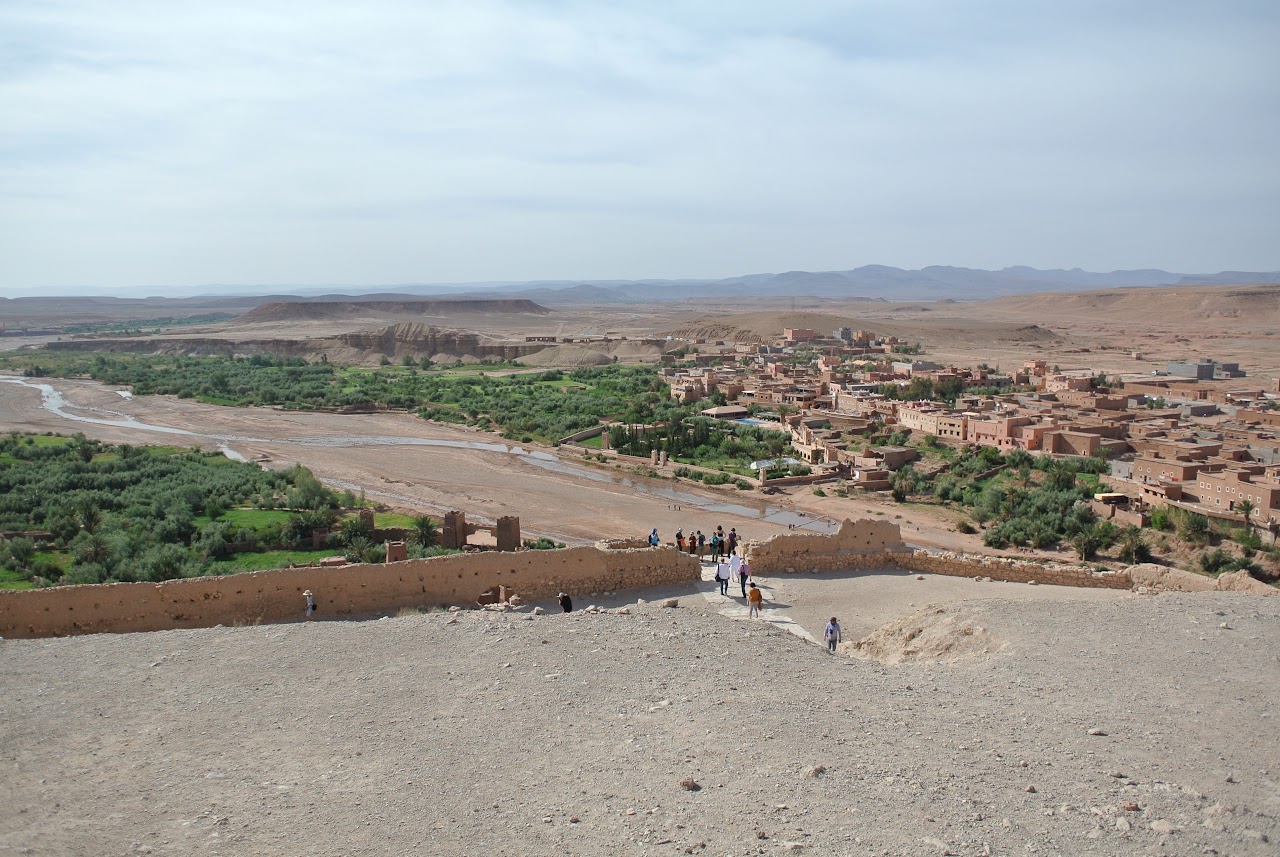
53 401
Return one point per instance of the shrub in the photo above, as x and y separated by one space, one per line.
542 543
1162 519
1214 562
965 527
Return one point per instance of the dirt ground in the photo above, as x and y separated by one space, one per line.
1119 725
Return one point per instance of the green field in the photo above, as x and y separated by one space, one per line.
267 560
256 519
394 520
10 579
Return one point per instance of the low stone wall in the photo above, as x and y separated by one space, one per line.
343 591
824 551
1013 571
870 544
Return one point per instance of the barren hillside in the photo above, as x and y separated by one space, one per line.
1252 306
502 734
393 310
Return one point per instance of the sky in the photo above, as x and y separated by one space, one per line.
170 145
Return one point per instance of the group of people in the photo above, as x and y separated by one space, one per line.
718 545
723 550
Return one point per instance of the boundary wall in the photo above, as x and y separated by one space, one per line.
871 544
345 591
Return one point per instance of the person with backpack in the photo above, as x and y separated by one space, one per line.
311 604
654 541
566 603
702 544
722 577
715 547
832 635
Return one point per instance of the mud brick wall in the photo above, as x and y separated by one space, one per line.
871 544
340 592
1013 571
842 549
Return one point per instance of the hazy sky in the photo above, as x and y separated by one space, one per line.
173 143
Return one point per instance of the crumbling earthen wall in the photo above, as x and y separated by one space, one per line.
343 591
870 544
783 552
1013 571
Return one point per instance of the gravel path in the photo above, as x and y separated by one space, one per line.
504 734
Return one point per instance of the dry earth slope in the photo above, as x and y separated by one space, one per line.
512 734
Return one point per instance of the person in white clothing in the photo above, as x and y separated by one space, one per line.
722 577
832 634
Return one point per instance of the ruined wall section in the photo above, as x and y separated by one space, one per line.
872 544
824 551
340 592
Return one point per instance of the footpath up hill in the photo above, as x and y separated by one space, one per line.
1143 725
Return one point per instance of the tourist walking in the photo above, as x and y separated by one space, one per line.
735 567
755 598
722 577
832 634
715 547
311 604
566 603
732 540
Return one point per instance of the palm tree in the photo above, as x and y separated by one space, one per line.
1133 547
425 531
89 513
353 528
1245 508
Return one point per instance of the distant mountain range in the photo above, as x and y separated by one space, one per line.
875 282
870 282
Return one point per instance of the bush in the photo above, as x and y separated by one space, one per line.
1247 538
1214 562
542 543
1162 519
965 527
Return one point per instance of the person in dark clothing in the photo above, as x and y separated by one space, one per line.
566 603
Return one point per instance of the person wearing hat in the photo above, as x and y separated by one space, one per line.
832 634
566 603
311 604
